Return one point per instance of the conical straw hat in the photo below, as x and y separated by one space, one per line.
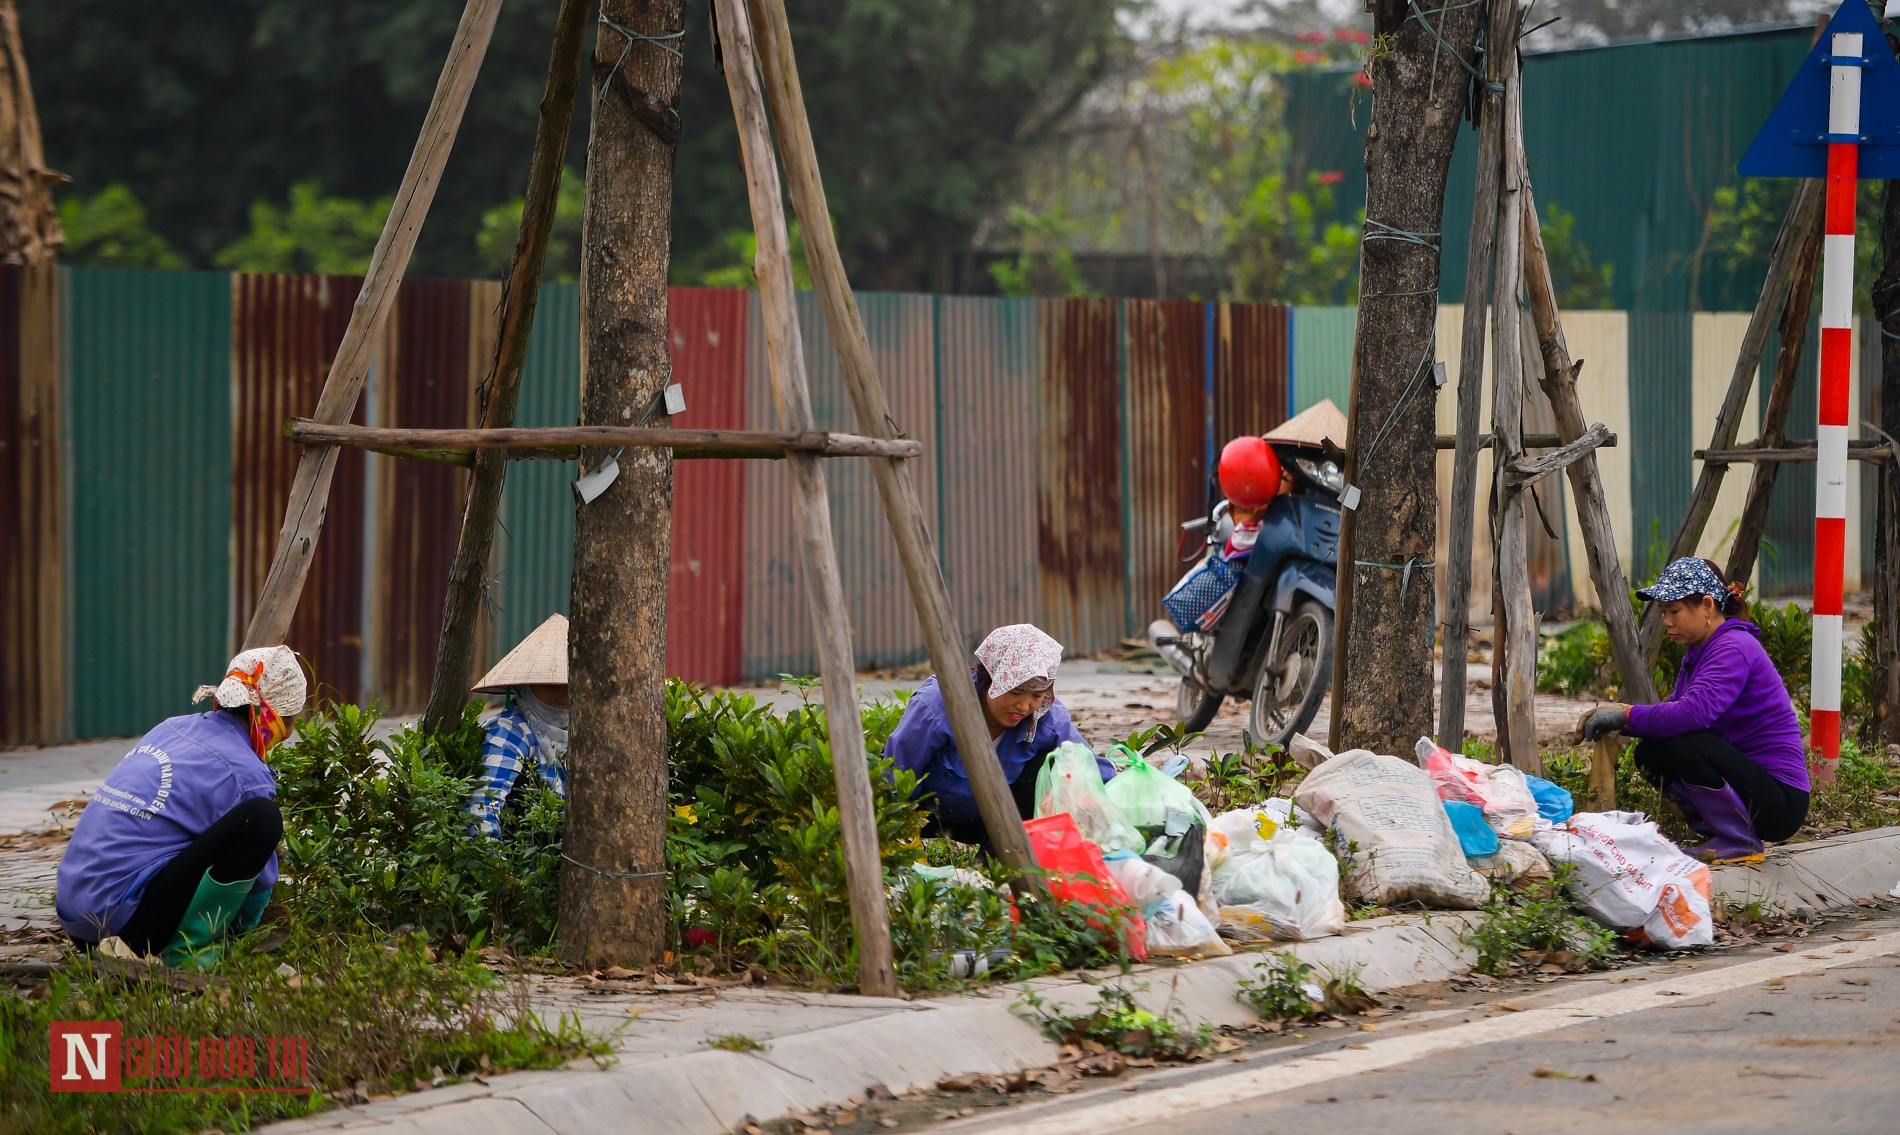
1315 426
538 660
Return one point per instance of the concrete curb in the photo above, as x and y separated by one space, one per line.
1827 874
708 1092
914 1044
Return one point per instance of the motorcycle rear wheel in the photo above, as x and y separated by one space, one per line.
1287 694
1194 707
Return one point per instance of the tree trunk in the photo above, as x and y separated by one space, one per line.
468 575
613 893
1884 728
1384 699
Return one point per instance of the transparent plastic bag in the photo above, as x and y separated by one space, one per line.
1289 884
1071 782
1501 790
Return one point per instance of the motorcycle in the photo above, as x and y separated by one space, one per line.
1273 645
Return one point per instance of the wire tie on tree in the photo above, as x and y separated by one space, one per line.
632 37
1405 580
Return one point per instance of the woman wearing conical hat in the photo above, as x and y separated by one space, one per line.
531 730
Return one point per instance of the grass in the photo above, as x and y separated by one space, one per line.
1535 927
377 1016
1284 989
734 1042
1115 1023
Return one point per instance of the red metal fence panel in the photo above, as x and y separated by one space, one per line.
706 585
1251 383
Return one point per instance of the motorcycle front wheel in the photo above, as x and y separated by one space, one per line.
1194 707
1287 694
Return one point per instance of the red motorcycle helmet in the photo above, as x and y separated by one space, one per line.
1249 472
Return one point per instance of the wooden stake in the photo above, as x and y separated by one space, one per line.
1558 378
310 491
818 555
1774 424
949 653
1516 635
468 574
1501 17
1804 217
1609 750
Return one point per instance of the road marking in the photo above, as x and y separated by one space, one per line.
1127 1111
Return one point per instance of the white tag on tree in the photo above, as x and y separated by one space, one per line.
1349 497
675 400
593 484
1440 376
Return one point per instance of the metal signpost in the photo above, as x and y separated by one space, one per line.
1839 119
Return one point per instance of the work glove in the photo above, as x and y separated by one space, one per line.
1603 721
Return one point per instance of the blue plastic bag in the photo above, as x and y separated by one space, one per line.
1553 800
1474 835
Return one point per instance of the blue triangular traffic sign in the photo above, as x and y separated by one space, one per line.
1793 143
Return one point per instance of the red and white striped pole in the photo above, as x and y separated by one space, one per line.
1837 352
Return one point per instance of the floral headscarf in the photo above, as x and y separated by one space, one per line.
270 680
1017 655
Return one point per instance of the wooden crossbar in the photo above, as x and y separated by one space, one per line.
562 443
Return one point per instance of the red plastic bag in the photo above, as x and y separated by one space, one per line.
1078 874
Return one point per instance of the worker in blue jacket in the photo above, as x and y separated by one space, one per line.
178 847
1015 683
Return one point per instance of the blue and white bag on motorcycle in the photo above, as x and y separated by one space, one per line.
1201 598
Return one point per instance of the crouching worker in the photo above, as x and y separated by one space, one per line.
531 730
178 847
1726 746
1015 684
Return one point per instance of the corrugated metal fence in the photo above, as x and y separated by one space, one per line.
142 472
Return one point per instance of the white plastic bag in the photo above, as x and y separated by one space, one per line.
1387 818
1624 869
1288 885
1500 790
1141 880
1176 926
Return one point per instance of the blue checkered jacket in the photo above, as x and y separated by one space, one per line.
510 746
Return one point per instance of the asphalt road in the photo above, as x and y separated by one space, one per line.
1753 1040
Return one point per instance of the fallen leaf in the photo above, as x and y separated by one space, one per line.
1552 1074
620 973
887 1121
967 1082
1508 1007
1784 948
1815 956
1667 993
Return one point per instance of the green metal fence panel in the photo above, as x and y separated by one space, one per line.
148 370
1786 563
1662 424
1322 355
535 564
1666 123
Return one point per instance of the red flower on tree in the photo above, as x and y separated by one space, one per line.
1362 37
1312 37
1362 79
1307 57
1331 177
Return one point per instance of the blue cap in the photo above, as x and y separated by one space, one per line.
1683 578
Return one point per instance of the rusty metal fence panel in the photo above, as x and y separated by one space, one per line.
1165 440
988 381
1253 382
1079 494
285 331
148 373
419 513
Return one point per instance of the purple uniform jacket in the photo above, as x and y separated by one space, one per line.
176 782
1728 686
922 743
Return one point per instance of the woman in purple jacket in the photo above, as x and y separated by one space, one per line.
1726 746
178 847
